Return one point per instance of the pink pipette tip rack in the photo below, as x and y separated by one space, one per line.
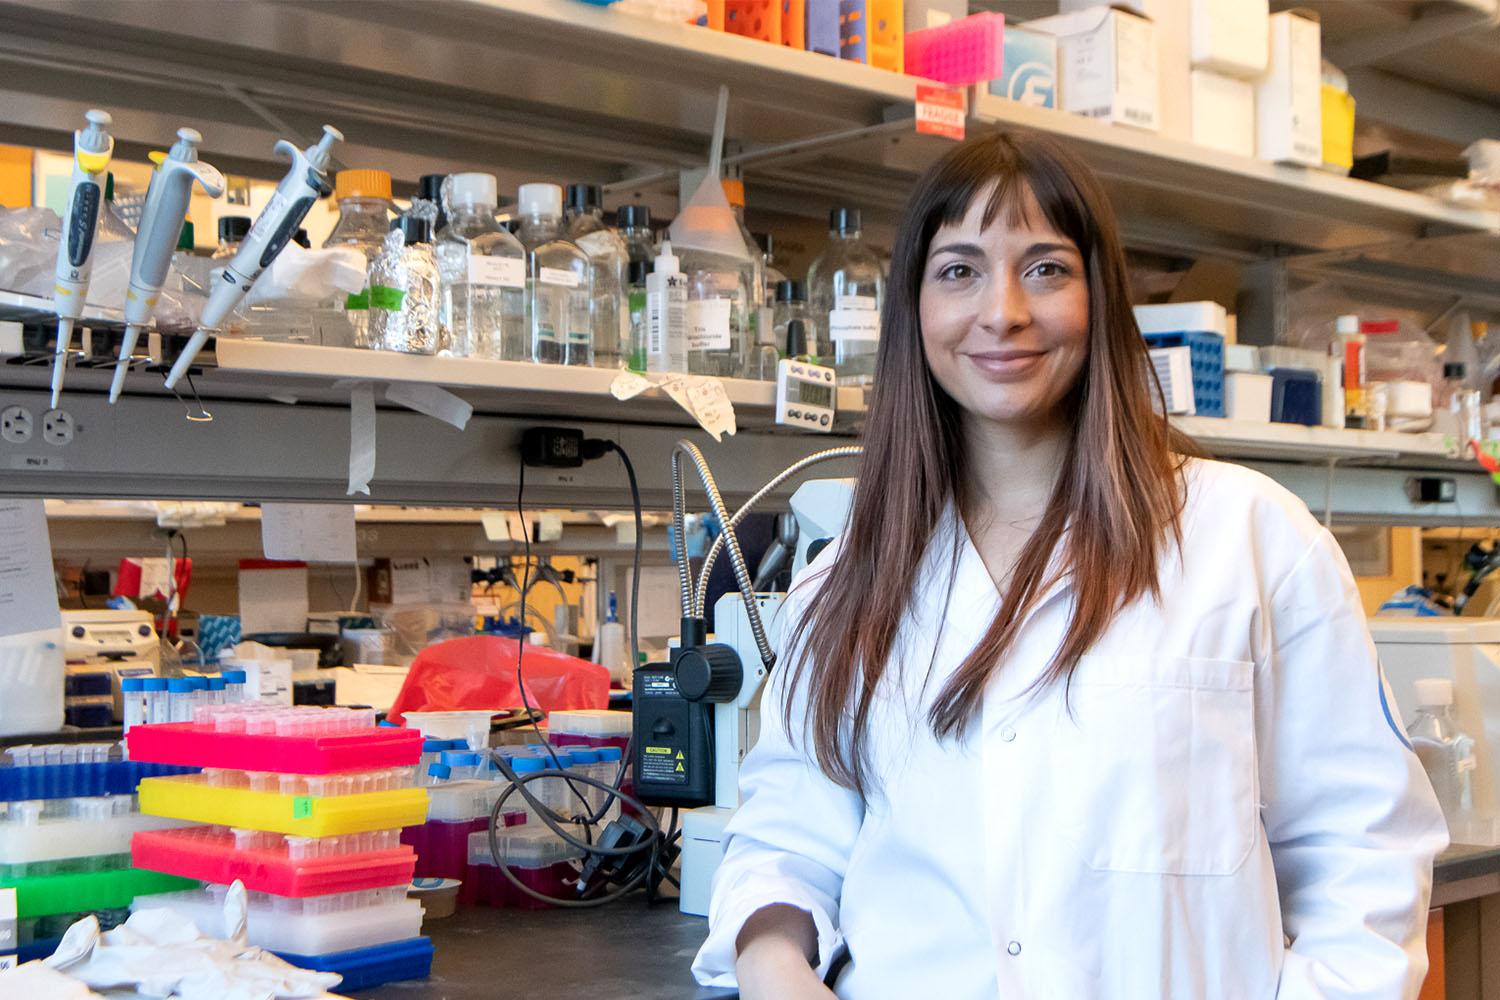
266 738
277 864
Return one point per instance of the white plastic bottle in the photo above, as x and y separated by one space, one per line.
609 648
847 289
484 275
559 280
666 309
609 318
1446 753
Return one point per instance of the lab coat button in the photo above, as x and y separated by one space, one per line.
1014 947
1007 734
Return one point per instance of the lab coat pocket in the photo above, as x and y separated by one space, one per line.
1158 760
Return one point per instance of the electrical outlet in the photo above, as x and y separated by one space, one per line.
15 424
57 427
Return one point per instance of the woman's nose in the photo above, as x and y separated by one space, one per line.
1005 306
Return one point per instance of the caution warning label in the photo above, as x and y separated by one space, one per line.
664 764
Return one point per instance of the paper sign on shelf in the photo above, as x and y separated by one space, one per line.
310 531
628 385
28 592
705 400
940 110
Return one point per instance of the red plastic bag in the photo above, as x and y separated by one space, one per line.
479 671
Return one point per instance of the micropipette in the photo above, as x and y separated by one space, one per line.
161 222
91 151
304 184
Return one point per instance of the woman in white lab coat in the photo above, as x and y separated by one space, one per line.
1064 714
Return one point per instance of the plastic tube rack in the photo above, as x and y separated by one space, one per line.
197 797
79 891
47 830
278 864
314 925
305 806
65 771
303 753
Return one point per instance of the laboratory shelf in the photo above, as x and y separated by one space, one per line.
186 743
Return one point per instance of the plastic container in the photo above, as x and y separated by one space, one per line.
192 797
364 202
366 750
318 925
1296 397
438 896
590 727
559 280
537 858
484 277
1207 352
363 968
82 891
870 31
847 291
442 847
471 727
609 322
79 828
963 52
822 32
57 778
31 675
214 856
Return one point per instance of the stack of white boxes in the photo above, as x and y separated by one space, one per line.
1223 74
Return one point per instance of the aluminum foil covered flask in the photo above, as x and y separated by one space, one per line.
404 290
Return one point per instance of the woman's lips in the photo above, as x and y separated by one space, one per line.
1006 363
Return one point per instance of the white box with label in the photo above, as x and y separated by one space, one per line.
1106 65
1231 37
1289 98
1223 112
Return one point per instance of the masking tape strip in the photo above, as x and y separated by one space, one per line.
431 400
361 437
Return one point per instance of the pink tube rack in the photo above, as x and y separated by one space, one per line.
200 746
969 50
280 866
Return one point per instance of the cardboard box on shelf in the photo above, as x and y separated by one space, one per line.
1288 99
1231 37
1173 57
1106 65
1030 72
1223 113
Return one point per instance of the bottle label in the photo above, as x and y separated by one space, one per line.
854 302
501 272
359 300
389 299
854 325
708 324
561 277
599 242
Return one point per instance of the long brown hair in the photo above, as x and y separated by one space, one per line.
1119 494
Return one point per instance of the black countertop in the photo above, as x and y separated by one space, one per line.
623 951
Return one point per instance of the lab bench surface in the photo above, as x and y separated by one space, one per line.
623 951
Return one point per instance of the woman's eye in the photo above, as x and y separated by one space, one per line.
1049 269
956 272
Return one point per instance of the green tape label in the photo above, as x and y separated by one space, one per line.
359 300
389 299
301 807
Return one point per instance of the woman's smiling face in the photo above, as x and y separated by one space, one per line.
1005 313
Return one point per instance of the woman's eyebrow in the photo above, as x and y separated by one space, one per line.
961 249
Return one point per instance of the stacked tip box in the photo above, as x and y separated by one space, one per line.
67 815
304 806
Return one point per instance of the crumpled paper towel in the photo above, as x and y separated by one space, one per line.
162 954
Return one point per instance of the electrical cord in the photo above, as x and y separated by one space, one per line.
658 841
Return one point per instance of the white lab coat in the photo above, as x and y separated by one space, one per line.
1230 811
